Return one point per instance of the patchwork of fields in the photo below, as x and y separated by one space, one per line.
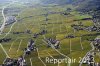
58 26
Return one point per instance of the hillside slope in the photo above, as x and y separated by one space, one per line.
55 1
87 5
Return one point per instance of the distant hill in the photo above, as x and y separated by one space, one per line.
91 7
87 5
56 1
81 5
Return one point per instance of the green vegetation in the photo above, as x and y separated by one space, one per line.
58 26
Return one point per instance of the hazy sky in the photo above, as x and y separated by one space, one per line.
3 0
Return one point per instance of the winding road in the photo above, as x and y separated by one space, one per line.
83 59
4 17
3 26
4 21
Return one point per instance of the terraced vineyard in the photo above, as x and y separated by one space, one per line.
58 26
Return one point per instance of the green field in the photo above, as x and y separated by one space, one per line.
58 26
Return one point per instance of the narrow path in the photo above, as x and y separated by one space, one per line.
19 45
10 30
4 50
12 45
40 58
31 61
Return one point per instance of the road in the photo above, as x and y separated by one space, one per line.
4 17
83 59
3 26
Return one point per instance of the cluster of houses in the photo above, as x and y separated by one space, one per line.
31 47
77 27
15 62
10 20
40 33
53 42
96 44
5 40
28 31
93 28
89 59
21 60
70 36
87 28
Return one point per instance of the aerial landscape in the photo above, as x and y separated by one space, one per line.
49 32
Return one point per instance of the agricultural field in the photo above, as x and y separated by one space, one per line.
58 26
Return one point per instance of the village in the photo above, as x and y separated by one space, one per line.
30 34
